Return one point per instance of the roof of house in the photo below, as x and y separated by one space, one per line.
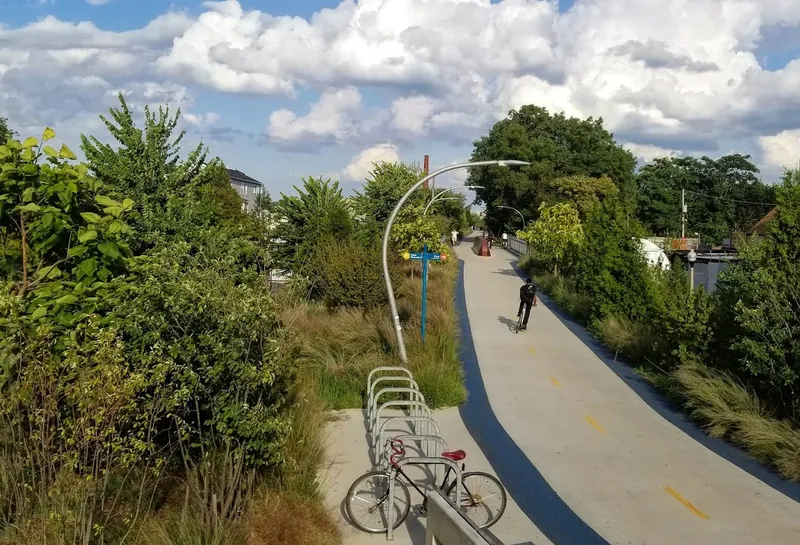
241 177
760 228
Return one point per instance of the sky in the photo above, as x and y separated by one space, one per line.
284 89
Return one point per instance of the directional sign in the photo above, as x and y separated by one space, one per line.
430 256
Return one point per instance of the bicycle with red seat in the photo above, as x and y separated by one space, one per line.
483 498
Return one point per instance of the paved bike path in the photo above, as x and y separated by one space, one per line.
605 465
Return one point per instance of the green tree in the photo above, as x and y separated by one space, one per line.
147 165
5 132
555 234
722 196
318 212
556 146
758 317
610 266
583 191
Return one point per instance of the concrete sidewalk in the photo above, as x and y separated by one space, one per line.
628 473
348 458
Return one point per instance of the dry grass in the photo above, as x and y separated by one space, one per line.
728 410
622 335
286 519
338 349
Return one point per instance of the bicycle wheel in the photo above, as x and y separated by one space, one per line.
483 498
367 501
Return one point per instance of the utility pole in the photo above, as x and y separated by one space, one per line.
425 170
683 213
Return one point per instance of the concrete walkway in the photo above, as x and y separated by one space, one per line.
618 466
348 458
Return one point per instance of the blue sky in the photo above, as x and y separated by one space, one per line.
385 79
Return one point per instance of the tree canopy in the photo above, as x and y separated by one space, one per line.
556 146
723 196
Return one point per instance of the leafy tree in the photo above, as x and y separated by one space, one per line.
5 132
556 146
758 317
610 266
583 191
722 195
317 212
147 165
556 232
63 227
412 231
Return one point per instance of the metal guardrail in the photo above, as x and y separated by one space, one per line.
518 246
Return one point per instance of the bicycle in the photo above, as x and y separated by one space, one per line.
519 323
473 501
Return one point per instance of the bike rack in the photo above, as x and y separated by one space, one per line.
411 397
424 412
408 420
427 440
418 461
393 378
386 368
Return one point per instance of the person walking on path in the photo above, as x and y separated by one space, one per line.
454 237
505 239
527 298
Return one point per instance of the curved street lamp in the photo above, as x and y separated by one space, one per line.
398 328
517 211
438 196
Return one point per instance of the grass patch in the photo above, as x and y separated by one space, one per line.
338 349
730 411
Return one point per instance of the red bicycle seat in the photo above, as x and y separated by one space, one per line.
456 455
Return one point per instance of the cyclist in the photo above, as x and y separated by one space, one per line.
527 297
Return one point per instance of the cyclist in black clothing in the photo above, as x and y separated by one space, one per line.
527 297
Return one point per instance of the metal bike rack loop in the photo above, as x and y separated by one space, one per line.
422 410
392 378
413 395
418 461
387 368
427 420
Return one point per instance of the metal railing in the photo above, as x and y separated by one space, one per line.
518 246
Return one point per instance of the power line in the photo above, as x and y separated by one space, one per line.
730 200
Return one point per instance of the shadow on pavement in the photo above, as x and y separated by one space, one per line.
511 324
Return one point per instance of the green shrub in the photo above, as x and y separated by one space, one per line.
347 274
213 341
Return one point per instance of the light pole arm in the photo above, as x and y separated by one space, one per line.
437 199
518 212
398 328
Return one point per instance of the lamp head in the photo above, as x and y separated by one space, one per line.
691 256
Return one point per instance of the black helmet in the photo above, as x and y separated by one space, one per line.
529 280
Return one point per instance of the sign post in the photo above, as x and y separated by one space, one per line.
425 256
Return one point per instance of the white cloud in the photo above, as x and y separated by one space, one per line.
782 149
666 76
329 119
363 163
647 153
98 2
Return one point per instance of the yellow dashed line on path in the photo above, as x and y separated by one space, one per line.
697 512
594 424
555 382
532 350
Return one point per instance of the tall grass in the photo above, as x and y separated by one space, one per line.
338 349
